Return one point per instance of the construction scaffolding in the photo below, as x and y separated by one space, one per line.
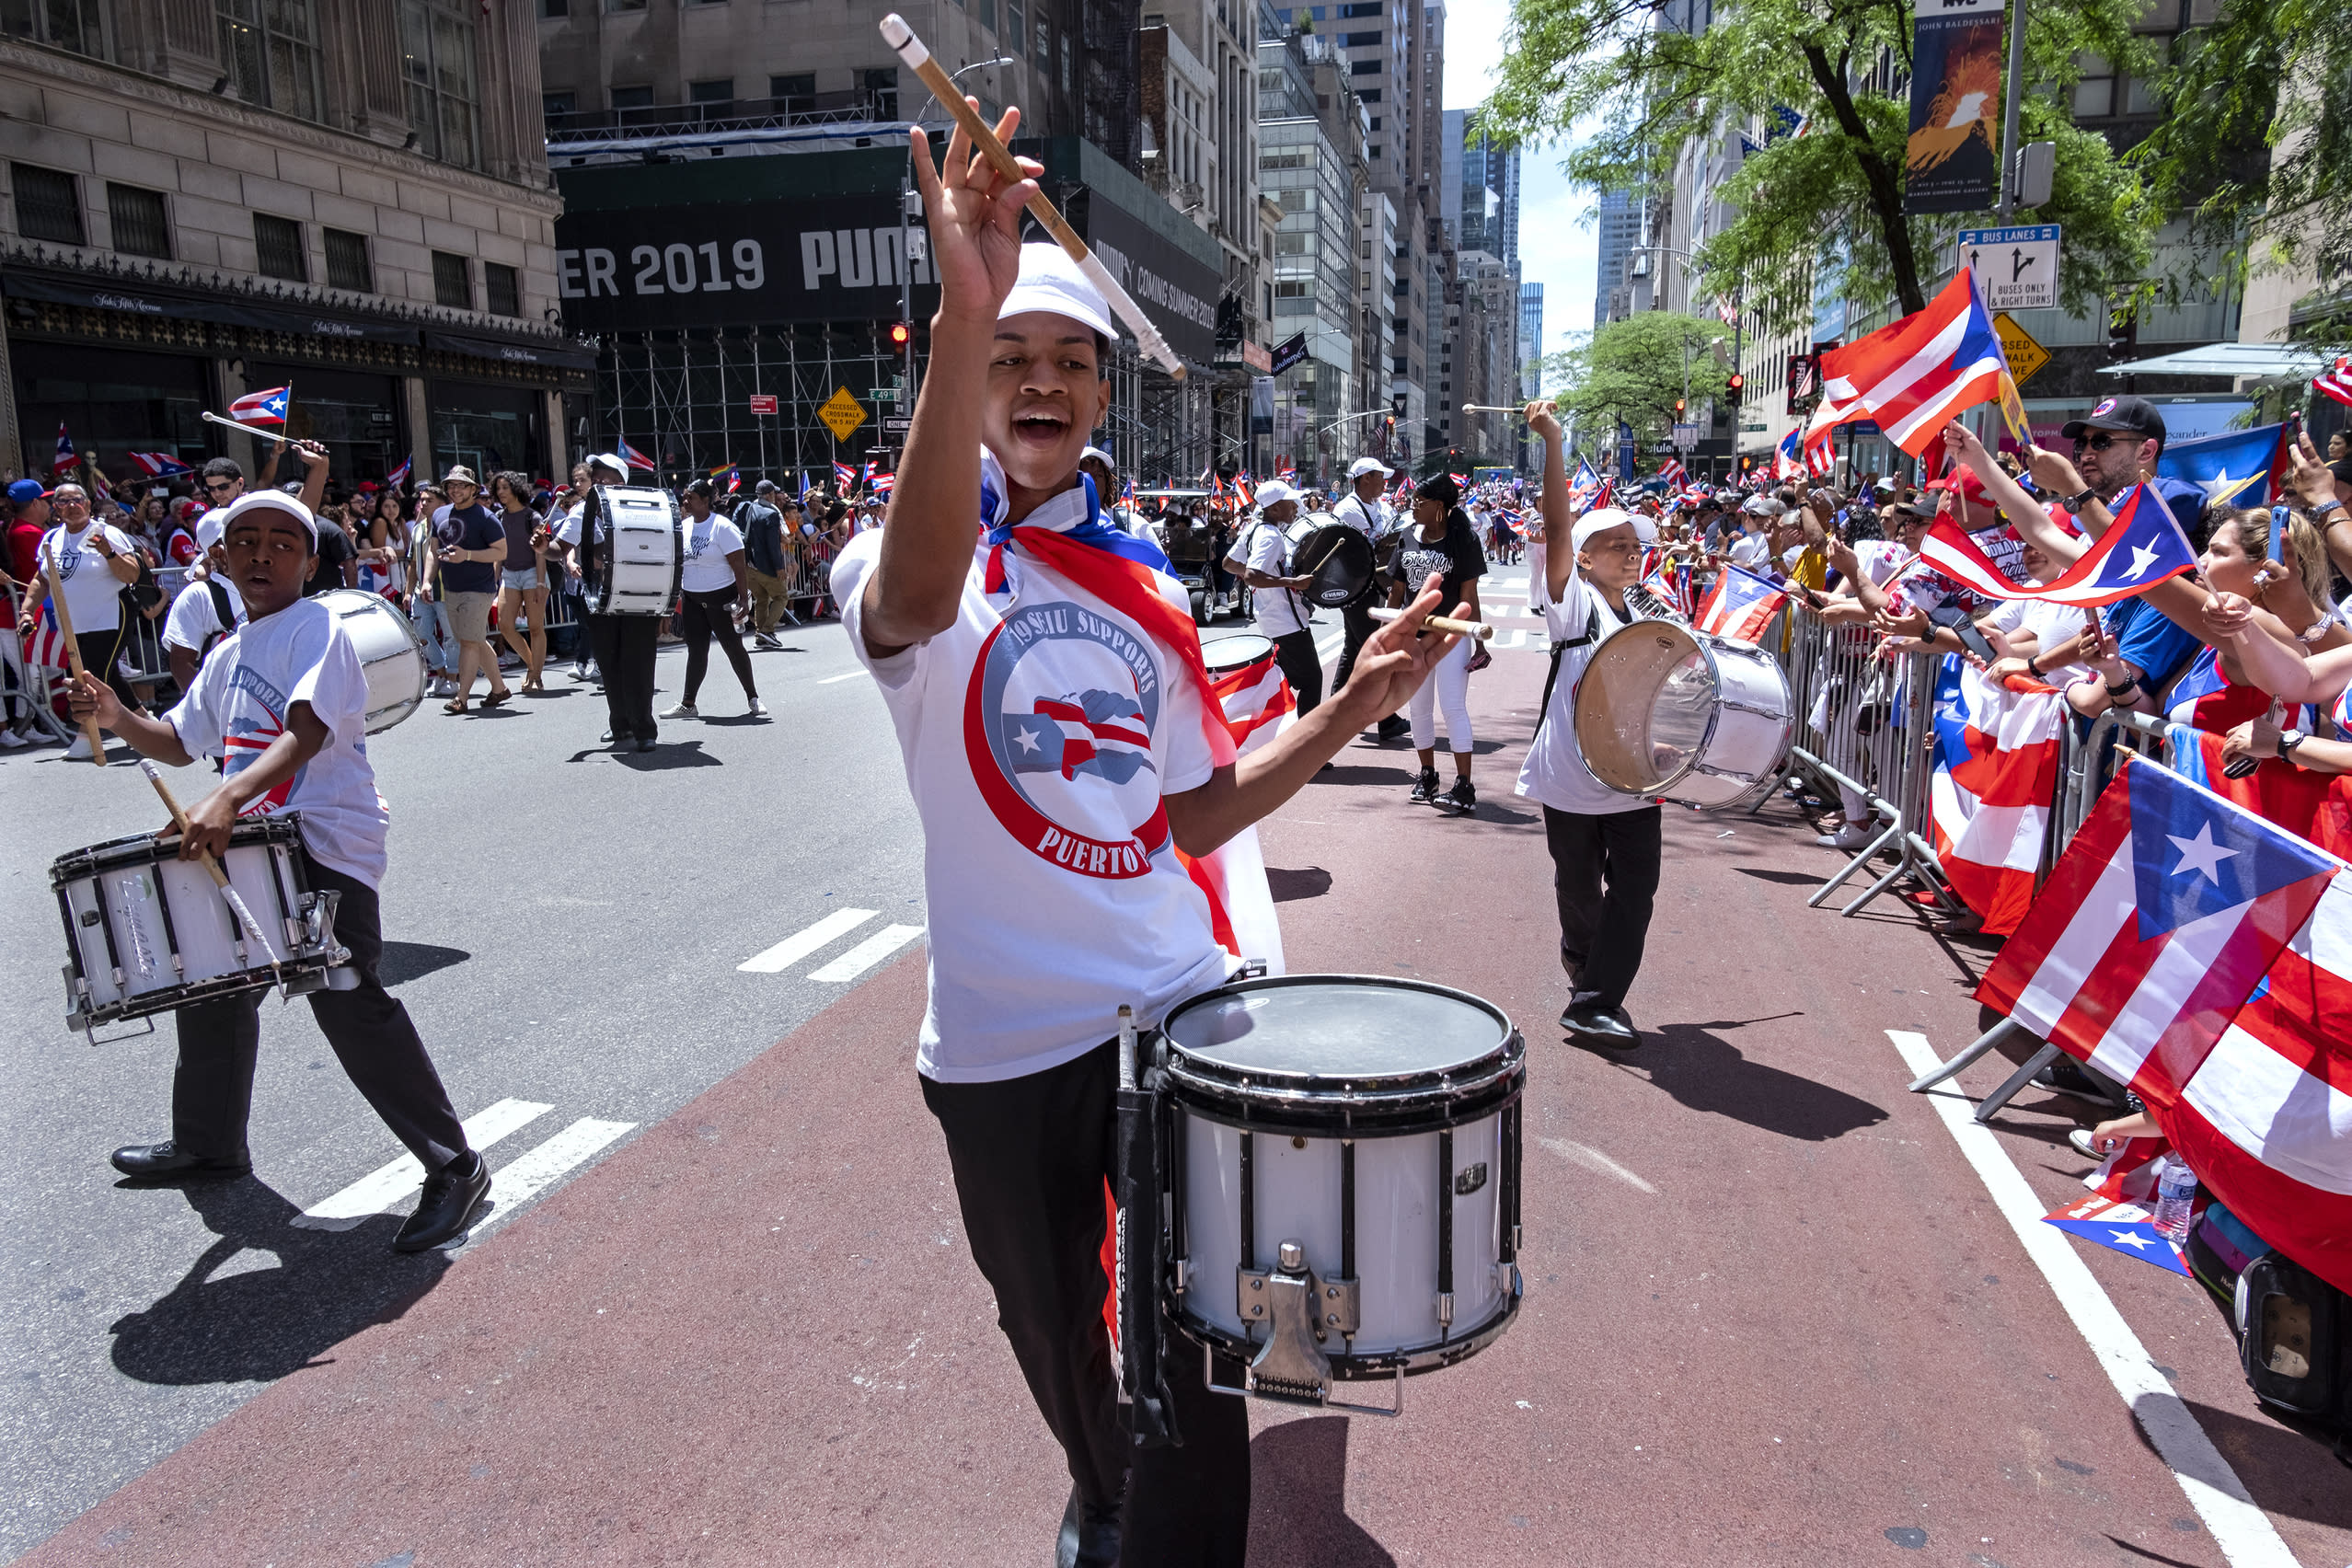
683 398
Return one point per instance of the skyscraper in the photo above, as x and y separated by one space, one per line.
1620 224
1530 340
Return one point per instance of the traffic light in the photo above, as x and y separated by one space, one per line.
899 333
1733 388
1678 405
1746 464
2123 333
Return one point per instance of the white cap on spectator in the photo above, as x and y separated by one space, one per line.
1100 456
608 460
1763 506
1608 517
208 529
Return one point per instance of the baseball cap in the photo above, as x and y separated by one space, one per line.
1363 466
208 529
1051 281
1608 517
1099 455
765 487
25 490
1763 506
266 501
1921 509
608 460
2135 415
1273 492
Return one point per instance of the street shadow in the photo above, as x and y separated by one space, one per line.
1705 1072
1298 1498
2146 1556
667 756
1786 879
262 1319
1355 773
403 962
737 721
2289 1469
551 691
1313 882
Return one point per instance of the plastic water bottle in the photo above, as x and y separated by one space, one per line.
2176 1196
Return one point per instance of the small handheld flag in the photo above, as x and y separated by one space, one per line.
160 464
266 407
65 457
636 459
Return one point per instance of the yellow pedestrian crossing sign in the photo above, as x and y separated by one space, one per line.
2025 356
843 414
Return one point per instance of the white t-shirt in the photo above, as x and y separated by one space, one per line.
92 592
1749 550
1368 518
2050 624
238 706
1554 773
1277 609
1050 903
708 545
194 618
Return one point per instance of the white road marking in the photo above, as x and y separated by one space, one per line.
379 1190
835 680
2241 1529
533 1173
868 953
1594 1160
801 943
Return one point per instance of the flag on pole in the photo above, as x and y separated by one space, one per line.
1998 752
67 456
2142 547
636 459
1916 374
1740 604
399 478
1585 487
160 464
884 483
804 484
1673 473
845 477
264 408
1788 459
731 474
2238 467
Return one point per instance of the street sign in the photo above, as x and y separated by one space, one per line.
2025 356
1686 436
883 394
897 425
842 414
762 402
2015 269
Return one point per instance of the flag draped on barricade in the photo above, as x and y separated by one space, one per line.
1999 749
2187 948
1740 604
2317 806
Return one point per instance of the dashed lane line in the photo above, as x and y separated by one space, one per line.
868 953
379 1190
513 1186
801 943
2239 1527
836 680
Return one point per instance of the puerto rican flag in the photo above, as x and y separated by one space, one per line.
731 473
67 456
1246 491
398 476
160 464
2204 956
266 407
2336 382
1916 374
1820 452
1788 459
1740 604
1285 469
636 459
2142 547
1998 752
845 477
1587 488
884 483
1100 732
1673 473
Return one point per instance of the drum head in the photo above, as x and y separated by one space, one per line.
1338 559
1336 1026
1226 654
1645 707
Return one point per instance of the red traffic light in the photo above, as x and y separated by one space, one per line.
1677 405
899 333
1737 382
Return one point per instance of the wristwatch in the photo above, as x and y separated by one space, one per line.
2074 502
2288 740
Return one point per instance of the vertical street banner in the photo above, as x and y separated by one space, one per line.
1953 160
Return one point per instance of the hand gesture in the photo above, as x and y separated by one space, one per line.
975 216
1961 442
2308 475
209 822
1841 556
2228 617
1908 622
312 455
90 697
2054 472
1398 656
2254 738
2099 652
1542 420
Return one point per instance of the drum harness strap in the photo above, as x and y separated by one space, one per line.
1592 635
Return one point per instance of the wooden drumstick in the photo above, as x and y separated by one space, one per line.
1478 632
1329 550
212 865
918 56
90 731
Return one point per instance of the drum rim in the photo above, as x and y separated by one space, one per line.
1704 642
1293 982
1316 596
1353 1366
1235 637
137 849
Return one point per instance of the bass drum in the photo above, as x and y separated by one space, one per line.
1338 557
634 552
1669 712
390 649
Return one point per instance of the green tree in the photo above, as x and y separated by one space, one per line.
1636 370
1625 91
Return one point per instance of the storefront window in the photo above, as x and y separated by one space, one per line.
114 401
487 427
354 416
437 61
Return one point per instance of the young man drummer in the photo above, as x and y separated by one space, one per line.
1604 846
284 699
624 645
1060 747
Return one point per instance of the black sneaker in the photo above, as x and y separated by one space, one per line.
1424 791
1462 797
1595 1024
1395 727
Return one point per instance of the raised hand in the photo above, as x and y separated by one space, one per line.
974 219
1542 419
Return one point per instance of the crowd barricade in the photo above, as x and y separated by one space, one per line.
808 580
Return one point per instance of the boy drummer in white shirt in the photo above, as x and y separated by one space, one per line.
1052 717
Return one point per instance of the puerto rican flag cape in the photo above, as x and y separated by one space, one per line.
1740 604
2140 548
265 408
1998 752
2204 956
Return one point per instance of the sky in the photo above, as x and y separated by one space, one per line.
1557 246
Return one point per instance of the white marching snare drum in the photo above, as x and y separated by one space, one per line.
1669 712
1224 655
635 568
1344 1171
146 931
390 649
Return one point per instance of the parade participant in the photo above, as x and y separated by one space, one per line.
472 544
624 644
207 609
764 555
713 584
1060 744
1099 467
284 699
1260 558
1363 509
94 563
1604 847
523 576
1441 540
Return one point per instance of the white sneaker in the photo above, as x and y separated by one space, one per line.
10 740
758 708
683 710
1854 841
79 751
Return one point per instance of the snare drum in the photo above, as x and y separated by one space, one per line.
1669 712
146 931
1343 1174
1223 656
389 648
633 569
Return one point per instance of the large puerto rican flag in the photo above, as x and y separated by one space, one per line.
2142 547
1999 752
1740 604
2204 956
264 408
1914 375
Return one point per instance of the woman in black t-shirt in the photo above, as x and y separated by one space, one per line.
1441 540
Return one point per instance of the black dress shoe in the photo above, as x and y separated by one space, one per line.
1395 727
166 1161
1595 1024
450 1195
645 742
1090 1536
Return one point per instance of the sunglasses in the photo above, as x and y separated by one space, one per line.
2098 443
216 486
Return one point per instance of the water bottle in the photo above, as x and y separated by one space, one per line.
2176 1196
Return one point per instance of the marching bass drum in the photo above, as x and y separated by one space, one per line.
1669 712
390 649
1338 557
634 569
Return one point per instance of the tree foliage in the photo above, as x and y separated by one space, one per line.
1633 369
1626 90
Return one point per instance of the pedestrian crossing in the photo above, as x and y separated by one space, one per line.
394 1188
811 939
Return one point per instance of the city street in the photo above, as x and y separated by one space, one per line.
1778 1309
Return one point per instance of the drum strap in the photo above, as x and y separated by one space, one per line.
1592 635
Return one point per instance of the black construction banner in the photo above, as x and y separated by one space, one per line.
1954 153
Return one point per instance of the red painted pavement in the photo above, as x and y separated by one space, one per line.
1772 1316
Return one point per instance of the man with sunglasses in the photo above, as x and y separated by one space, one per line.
223 479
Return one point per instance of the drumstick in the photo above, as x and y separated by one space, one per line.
918 56
1337 540
269 435
1478 632
1489 408
220 877
72 650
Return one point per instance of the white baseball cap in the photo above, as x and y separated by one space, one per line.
1608 518
1272 493
208 529
1363 466
1051 281
608 460
267 501
1100 456
1763 506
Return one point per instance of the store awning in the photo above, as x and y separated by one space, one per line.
2264 360
566 356
140 297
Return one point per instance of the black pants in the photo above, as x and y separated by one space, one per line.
707 616
1294 651
100 651
1602 932
220 1040
624 646
1030 1156
1356 616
